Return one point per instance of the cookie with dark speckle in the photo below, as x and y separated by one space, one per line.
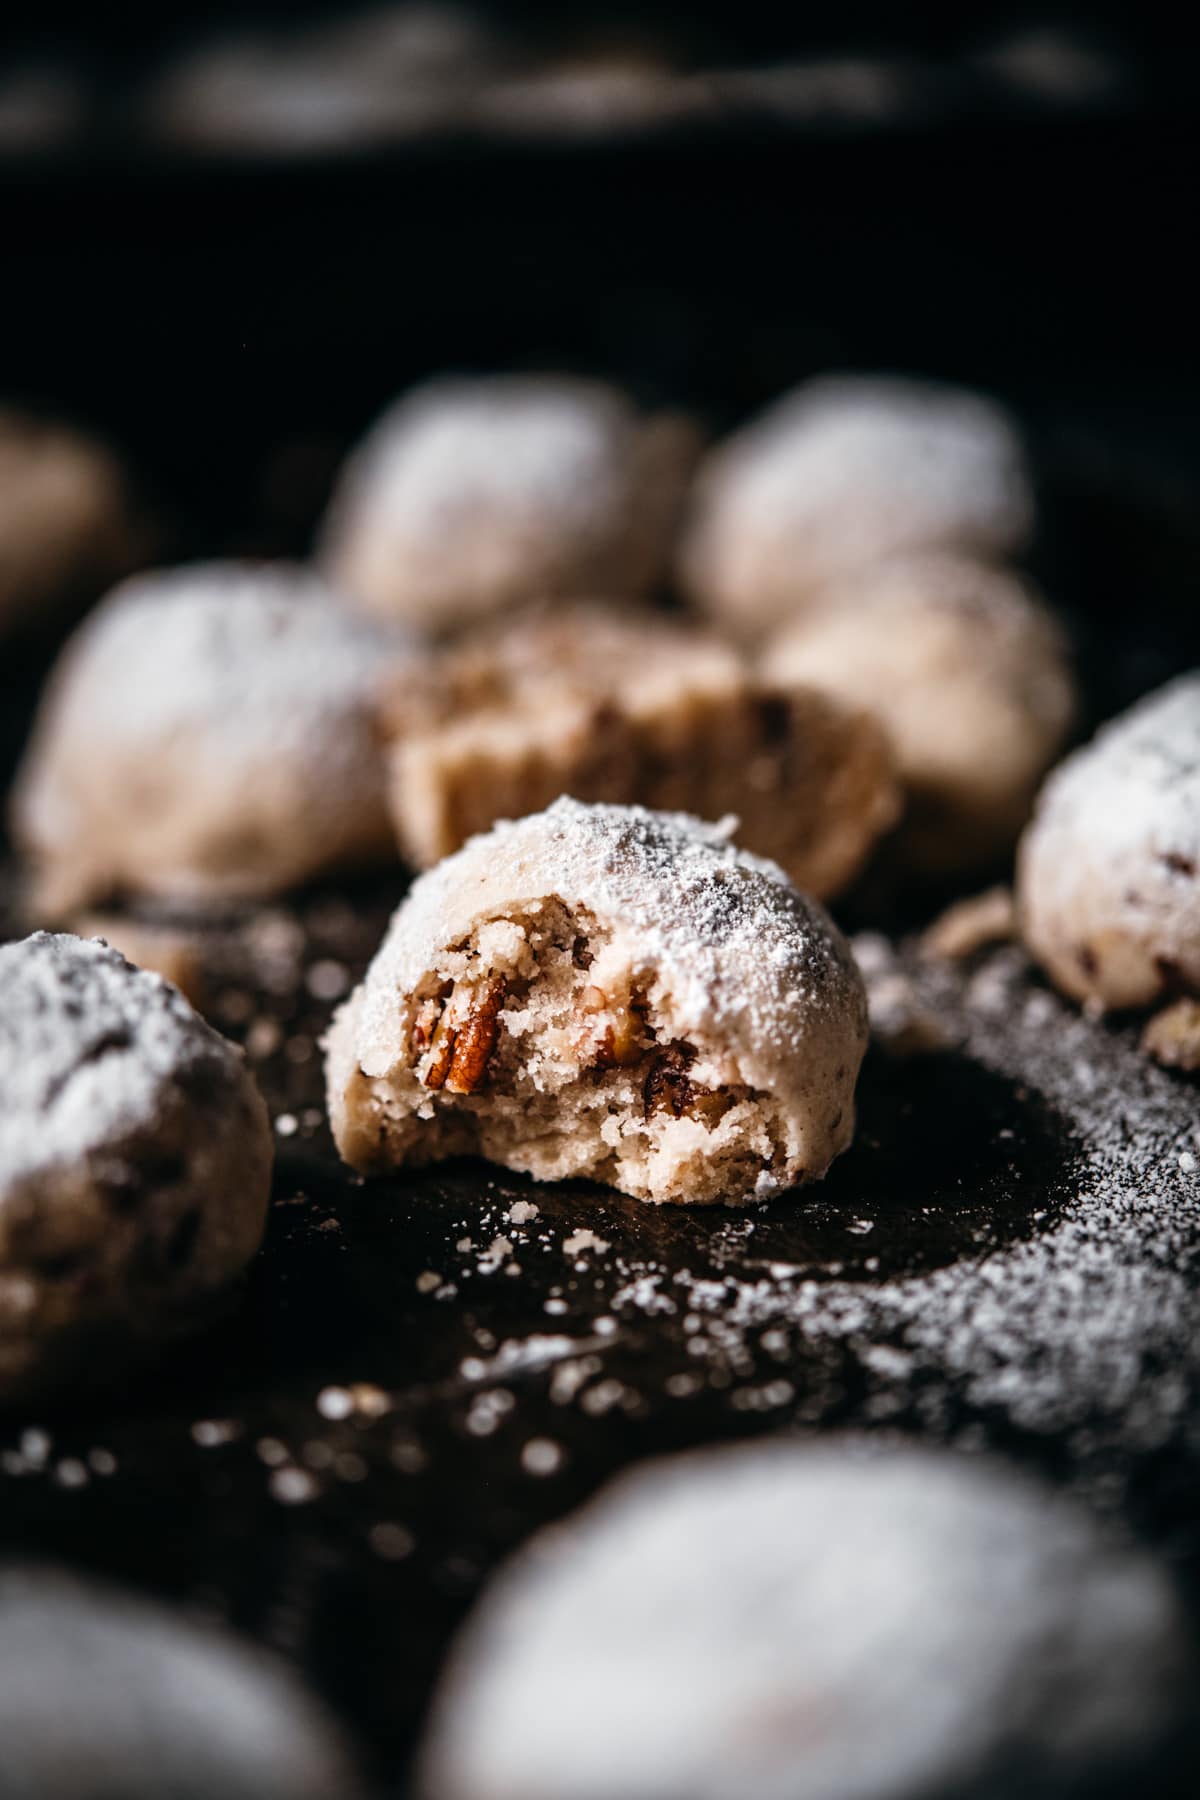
135 1160
1109 870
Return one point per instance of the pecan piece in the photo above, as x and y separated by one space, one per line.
667 1084
622 1042
476 1038
441 1054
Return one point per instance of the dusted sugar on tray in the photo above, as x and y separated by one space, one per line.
611 993
209 733
624 707
470 498
135 1160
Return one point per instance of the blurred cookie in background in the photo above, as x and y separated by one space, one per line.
135 1164
629 707
208 734
68 524
45 108
970 676
1109 870
366 78
839 474
104 1693
474 497
821 1622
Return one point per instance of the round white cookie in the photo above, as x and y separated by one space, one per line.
135 1158
108 1693
1109 870
471 497
969 674
611 993
840 473
799 1622
66 526
207 734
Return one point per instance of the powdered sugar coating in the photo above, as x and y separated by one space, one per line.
65 1093
135 1153
793 1620
840 473
745 955
731 957
136 1698
471 496
208 731
1109 869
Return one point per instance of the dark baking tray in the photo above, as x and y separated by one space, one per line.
237 332
681 1328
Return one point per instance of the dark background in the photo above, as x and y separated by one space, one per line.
234 321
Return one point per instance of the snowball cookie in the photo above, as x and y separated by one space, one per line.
841 473
207 734
607 992
788 1621
1108 887
970 676
470 497
634 708
135 1158
66 525
106 1693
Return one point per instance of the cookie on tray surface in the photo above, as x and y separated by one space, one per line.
608 706
471 497
800 1621
208 733
841 473
1108 887
135 1159
611 993
66 522
969 674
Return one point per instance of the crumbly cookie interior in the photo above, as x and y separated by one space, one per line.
538 1043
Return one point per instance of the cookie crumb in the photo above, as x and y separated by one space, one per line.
972 924
542 1456
1172 1036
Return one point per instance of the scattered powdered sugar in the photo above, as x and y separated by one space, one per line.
1091 1328
521 1356
583 1239
87 1044
840 1622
